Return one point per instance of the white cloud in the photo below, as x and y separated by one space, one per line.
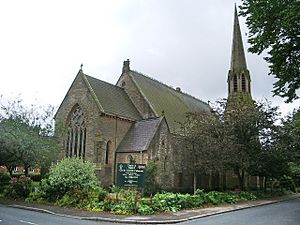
181 43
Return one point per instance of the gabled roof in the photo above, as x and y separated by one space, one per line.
167 101
140 135
111 99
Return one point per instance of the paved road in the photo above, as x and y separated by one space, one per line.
284 213
13 216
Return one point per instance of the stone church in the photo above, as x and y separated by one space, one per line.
136 119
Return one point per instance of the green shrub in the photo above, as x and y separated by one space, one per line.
144 208
124 202
151 185
68 200
4 181
187 201
94 206
122 208
287 183
174 202
295 172
35 177
102 194
115 189
166 202
69 176
36 196
215 197
200 197
19 187
81 199
245 196
17 175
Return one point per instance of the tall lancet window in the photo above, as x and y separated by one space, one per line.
243 83
108 152
76 134
235 83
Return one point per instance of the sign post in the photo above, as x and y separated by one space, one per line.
131 175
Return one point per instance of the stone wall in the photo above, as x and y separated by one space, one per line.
135 96
79 94
101 130
161 151
139 157
113 130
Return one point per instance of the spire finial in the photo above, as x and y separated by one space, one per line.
81 65
238 59
238 75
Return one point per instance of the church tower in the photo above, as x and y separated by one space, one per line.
238 76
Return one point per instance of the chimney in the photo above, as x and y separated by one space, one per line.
126 66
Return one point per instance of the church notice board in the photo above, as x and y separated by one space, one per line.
131 175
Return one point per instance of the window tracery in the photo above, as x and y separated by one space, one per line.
76 138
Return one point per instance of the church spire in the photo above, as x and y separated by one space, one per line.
238 75
238 59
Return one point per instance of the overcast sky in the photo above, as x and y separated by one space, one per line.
183 43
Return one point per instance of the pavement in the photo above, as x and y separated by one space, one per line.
162 218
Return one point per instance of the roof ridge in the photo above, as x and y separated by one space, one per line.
95 81
158 121
170 87
148 119
104 81
155 131
89 86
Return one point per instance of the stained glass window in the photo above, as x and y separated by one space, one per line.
76 137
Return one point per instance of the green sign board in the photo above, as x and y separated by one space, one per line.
131 175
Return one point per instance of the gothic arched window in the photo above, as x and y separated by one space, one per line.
243 83
76 134
235 83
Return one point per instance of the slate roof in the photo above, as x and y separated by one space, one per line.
113 99
140 135
162 98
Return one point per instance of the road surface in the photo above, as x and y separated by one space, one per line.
283 213
14 216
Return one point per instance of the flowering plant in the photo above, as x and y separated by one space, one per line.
19 187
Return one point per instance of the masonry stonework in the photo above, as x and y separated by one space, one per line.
138 119
135 95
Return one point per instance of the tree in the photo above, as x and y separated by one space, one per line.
255 129
289 136
26 136
241 119
205 141
274 26
288 142
234 138
7 157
